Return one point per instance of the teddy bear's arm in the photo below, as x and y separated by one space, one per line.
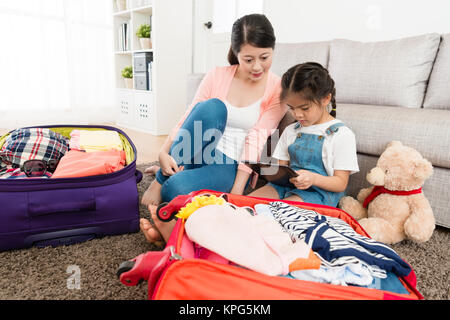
364 193
420 224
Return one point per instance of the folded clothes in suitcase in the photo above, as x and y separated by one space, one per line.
186 269
63 211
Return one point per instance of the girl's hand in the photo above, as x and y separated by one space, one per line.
168 164
304 180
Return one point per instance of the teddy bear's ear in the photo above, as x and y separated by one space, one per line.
422 169
394 143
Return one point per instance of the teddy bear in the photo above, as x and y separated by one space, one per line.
395 208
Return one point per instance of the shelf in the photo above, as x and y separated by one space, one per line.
123 52
123 14
134 90
145 10
133 51
127 13
142 50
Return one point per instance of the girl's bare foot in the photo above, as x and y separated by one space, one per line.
160 231
152 170
152 196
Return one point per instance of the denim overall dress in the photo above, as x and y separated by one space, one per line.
306 153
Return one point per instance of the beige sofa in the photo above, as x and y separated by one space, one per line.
387 90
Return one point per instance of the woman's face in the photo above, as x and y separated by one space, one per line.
254 62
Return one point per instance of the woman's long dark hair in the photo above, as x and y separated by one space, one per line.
312 80
254 29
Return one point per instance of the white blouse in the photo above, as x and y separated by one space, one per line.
239 121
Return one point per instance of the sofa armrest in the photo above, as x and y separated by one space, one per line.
192 83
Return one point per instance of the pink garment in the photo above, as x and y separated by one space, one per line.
82 164
255 242
216 84
74 143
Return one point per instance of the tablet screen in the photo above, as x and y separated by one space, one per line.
274 173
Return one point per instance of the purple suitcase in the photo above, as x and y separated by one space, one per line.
63 211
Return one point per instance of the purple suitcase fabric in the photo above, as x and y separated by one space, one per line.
41 212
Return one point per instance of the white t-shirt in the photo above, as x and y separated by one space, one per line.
339 148
239 121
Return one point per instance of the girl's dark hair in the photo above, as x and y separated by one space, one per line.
312 80
254 29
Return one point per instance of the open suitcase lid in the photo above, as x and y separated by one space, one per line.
89 181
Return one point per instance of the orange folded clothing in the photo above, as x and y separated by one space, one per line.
81 164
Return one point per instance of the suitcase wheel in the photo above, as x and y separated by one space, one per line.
164 214
125 267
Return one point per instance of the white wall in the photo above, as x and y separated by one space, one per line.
322 20
361 20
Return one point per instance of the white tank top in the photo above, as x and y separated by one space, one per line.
239 121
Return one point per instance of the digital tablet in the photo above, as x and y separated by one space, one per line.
275 173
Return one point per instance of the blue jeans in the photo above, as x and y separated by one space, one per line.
204 166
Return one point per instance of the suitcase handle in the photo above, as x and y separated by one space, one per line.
147 266
40 209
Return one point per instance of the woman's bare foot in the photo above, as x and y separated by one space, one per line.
160 231
151 233
152 170
152 196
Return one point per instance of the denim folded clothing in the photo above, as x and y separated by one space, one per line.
351 274
33 143
390 283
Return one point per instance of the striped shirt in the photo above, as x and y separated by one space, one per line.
335 241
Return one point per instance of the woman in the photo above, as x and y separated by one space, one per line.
241 103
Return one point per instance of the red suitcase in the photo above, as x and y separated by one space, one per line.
178 272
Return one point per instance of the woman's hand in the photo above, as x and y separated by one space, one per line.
168 164
304 180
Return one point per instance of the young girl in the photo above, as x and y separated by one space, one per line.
320 148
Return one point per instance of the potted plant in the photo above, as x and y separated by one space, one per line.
143 33
121 5
127 75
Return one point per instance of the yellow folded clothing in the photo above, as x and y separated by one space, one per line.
102 140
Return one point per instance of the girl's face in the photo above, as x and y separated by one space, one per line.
254 63
308 112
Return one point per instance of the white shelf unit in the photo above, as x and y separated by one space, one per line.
155 111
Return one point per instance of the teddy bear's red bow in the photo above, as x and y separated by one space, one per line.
377 190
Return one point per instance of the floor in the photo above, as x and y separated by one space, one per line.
147 145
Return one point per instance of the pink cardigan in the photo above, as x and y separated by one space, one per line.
216 84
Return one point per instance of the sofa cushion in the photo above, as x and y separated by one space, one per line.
438 92
192 84
287 55
393 73
426 130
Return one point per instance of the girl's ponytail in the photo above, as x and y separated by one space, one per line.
333 103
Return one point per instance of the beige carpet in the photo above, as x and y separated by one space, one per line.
44 273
